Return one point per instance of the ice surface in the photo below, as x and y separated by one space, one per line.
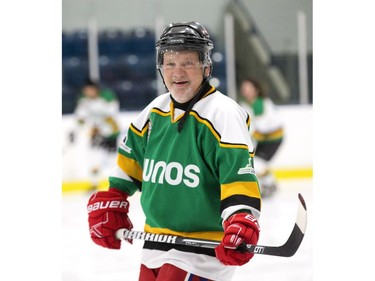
85 261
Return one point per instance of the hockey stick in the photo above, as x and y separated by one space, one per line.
288 249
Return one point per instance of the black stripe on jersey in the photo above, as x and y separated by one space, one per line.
158 109
144 126
248 120
213 128
137 183
240 200
135 128
166 247
208 121
231 143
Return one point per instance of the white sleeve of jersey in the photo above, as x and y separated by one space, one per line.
270 120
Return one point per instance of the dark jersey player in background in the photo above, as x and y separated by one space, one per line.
190 155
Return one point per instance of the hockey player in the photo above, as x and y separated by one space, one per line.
266 131
96 115
190 155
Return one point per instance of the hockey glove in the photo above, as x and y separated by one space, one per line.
108 212
238 228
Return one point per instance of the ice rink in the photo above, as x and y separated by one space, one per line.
85 261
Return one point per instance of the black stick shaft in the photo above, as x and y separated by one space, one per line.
288 249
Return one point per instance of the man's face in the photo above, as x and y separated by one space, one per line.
183 74
248 91
90 92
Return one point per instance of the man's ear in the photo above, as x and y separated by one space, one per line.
206 71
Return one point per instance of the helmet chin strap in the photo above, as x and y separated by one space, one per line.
191 104
162 77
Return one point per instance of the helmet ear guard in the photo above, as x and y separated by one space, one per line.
186 36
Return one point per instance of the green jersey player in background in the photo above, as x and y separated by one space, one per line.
190 155
267 131
97 127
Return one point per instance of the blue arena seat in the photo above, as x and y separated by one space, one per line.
111 69
219 63
74 44
135 96
140 66
74 71
142 41
113 43
69 98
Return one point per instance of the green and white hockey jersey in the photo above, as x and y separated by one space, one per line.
192 180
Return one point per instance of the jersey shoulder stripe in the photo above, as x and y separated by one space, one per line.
230 122
162 103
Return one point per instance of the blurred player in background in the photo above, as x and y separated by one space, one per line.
267 132
96 114
190 154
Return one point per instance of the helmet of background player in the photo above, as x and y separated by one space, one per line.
185 36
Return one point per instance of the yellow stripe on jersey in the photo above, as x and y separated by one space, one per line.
129 166
228 145
138 132
168 113
162 113
278 134
216 134
213 89
248 121
211 235
208 124
249 189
